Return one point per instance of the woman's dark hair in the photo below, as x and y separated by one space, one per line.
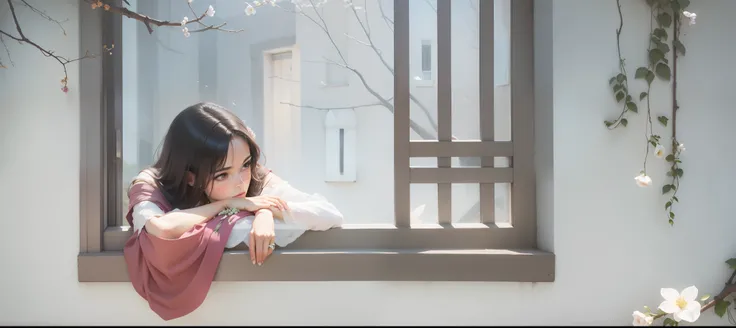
197 141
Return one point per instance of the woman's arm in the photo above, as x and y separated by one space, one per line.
312 211
175 223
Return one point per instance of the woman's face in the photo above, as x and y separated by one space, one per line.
233 179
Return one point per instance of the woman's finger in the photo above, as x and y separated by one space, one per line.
252 247
262 249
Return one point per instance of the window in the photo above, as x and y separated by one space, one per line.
442 180
426 60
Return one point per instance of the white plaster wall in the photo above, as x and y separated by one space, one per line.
614 248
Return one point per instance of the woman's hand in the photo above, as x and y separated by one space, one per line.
256 203
262 236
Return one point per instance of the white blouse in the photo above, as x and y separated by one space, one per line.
308 212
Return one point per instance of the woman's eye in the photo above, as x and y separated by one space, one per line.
246 165
221 177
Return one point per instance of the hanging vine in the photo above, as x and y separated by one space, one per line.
665 15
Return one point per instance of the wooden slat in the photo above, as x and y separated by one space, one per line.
402 197
461 175
460 148
523 195
444 104
91 158
429 236
487 89
357 265
113 118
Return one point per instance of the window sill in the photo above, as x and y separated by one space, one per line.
356 265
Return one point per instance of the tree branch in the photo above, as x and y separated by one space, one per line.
44 15
385 63
148 21
48 53
389 21
335 108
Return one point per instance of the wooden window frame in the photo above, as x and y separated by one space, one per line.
484 251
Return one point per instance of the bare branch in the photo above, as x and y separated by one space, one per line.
429 3
148 21
48 53
385 63
210 27
45 15
389 21
337 108
7 51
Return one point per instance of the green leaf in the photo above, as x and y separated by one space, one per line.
663 120
624 121
705 297
683 3
642 96
608 123
670 158
650 77
655 55
672 222
628 97
666 206
641 72
620 77
619 96
669 322
679 172
672 215
660 33
666 188
617 87
721 307
663 71
664 19
613 79
663 47
679 47
732 263
632 107
675 198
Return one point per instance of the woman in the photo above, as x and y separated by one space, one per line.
205 192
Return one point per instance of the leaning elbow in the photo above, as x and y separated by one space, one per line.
160 228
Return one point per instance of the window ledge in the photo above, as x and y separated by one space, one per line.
356 265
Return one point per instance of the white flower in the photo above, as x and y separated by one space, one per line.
186 32
249 10
682 306
189 1
691 16
643 180
210 11
184 21
681 147
641 319
257 3
659 151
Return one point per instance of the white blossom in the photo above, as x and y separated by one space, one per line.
680 147
691 16
641 319
186 32
189 1
643 180
184 21
250 10
659 151
682 306
210 11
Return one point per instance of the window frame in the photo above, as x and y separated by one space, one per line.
485 251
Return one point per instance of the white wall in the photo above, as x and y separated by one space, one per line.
614 248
